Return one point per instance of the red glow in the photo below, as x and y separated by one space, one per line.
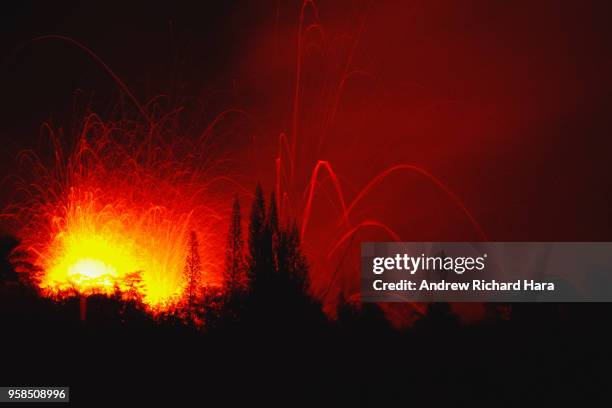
123 201
343 160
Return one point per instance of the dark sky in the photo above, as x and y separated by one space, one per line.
147 45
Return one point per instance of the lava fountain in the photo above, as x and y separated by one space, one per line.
118 208
115 213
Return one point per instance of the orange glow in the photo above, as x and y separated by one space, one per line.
99 246
117 208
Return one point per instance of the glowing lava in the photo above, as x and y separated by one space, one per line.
100 249
114 215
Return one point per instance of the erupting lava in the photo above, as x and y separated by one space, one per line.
98 247
115 215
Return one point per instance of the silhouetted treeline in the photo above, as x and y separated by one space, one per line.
268 285
267 340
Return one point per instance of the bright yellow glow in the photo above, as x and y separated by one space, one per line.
92 270
91 263
95 250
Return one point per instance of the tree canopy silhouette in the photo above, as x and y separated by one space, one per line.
278 296
235 265
193 271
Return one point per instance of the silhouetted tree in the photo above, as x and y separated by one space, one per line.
439 316
7 247
134 286
17 265
291 260
256 230
360 318
279 300
273 214
235 267
193 271
261 254
274 230
345 312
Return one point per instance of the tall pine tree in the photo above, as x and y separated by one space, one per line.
291 260
274 229
193 271
256 229
235 267
261 254
273 214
